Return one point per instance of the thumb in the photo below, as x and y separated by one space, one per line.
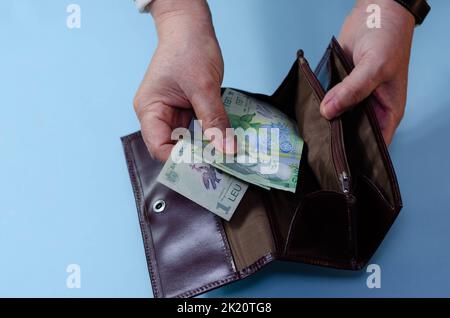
209 108
358 85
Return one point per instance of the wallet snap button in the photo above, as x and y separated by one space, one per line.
159 206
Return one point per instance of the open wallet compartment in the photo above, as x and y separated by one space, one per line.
346 200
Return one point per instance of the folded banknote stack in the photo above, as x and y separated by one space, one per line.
267 155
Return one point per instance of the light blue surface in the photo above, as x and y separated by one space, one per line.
66 98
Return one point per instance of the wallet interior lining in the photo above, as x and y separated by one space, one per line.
315 131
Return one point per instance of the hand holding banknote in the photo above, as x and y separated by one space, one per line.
266 159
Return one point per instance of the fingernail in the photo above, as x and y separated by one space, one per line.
326 107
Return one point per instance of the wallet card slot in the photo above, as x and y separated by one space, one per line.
375 215
320 230
282 206
377 192
249 231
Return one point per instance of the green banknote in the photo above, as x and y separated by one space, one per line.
213 189
269 145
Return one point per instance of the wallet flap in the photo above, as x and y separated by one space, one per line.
185 245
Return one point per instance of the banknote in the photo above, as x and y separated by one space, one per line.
269 147
203 184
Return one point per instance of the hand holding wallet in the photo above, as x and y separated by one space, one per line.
346 200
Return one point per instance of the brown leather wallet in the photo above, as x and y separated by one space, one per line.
347 198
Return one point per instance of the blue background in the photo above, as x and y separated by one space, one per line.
66 98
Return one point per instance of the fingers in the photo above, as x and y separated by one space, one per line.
361 82
157 124
208 107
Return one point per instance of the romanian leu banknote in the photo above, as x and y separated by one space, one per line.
269 147
213 189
